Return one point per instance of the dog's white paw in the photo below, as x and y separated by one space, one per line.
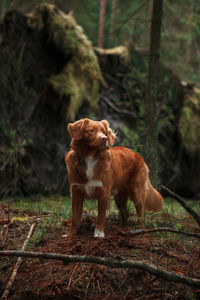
98 233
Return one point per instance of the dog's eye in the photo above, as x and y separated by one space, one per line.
91 130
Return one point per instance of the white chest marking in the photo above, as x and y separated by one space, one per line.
91 184
146 185
91 164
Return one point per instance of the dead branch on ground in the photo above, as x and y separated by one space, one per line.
117 262
17 265
183 203
164 229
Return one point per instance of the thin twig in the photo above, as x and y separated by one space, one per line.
165 229
114 80
116 109
183 203
116 31
109 103
6 228
79 278
89 282
112 263
70 280
17 265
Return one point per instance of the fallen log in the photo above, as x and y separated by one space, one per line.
114 262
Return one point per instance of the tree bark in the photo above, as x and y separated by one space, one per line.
101 22
151 90
112 23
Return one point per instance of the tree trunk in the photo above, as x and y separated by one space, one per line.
112 23
101 22
151 91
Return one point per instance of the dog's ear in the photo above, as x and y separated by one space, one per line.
110 134
76 129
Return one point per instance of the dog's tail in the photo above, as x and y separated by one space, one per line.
154 200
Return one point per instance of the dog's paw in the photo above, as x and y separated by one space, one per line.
98 233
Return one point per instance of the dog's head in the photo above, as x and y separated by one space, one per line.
94 133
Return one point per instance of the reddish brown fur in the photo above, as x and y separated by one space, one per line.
116 171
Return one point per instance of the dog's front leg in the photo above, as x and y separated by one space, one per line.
100 225
77 208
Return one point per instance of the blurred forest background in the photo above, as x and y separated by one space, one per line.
53 72
130 21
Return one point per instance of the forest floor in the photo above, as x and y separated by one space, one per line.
51 279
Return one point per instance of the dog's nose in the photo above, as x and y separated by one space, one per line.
104 138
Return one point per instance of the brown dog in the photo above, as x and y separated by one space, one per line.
97 172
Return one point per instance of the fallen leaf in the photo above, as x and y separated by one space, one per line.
4 221
67 221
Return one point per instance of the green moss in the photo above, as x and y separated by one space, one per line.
80 77
121 51
189 123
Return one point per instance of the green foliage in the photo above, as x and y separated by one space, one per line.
49 224
129 22
126 27
4 6
13 154
191 296
6 264
132 139
42 204
178 226
179 38
167 96
39 233
87 16
15 95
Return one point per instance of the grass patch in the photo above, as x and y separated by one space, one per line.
57 204
175 209
40 203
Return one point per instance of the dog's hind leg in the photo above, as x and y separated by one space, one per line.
121 201
139 198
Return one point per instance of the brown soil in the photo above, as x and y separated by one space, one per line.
48 279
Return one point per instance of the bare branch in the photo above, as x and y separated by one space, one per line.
165 229
116 262
183 203
17 265
116 109
130 17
